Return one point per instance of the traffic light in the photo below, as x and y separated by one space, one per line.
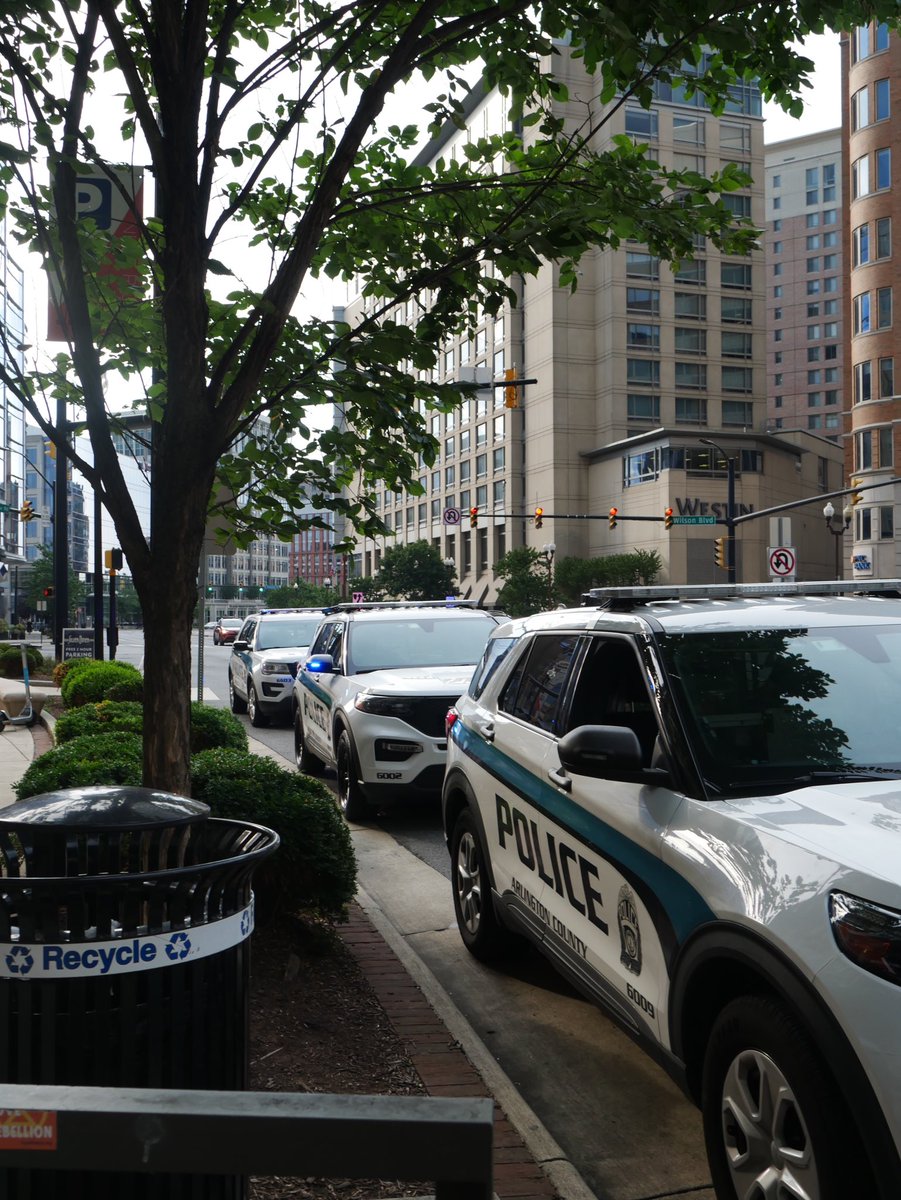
539 514
511 400
667 518
719 553
26 512
856 496
48 593
113 559
613 512
473 518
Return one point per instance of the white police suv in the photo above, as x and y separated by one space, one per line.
690 800
372 697
264 658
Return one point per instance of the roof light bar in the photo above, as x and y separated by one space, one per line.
726 591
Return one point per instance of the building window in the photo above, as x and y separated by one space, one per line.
642 266
881 40
736 345
812 220
814 399
691 340
830 216
886 447
641 123
481 466
498 459
813 354
645 371
693 271
691 375
777 247
642 337
688 129
860 246
828 182
735 310
736 275
883 169
738 412
690 306
643 300
860 112
881 95
883 308
863 382
883 237
813 241
861 316
643 408
863 450
691 410
886 378
860 177
813 310
737 379
814 377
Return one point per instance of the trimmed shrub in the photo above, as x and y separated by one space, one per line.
71 665
129 690
210 727
213 728
11 660
108 716
93 683
113 758
314 868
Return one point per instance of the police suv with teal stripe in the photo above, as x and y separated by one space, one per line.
690 799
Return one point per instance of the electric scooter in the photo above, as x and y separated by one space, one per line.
27 716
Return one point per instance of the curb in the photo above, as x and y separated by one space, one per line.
453 1061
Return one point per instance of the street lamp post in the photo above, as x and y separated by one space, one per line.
838 534
730 508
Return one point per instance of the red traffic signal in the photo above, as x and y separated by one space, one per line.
613 512
473 518
667 518
48 593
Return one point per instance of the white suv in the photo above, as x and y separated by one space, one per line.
690 800
264 660
372 697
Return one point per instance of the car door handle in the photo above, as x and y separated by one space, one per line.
561 779
485 728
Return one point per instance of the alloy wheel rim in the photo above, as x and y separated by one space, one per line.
469 883
765 1136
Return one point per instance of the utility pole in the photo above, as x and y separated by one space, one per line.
61 530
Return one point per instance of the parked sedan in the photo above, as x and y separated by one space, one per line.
226 630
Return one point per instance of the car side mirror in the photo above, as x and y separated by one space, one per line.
240 644
321 664
607 752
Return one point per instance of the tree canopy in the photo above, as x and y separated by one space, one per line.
261 126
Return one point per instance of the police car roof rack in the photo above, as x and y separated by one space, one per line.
349 606
267 612
624 599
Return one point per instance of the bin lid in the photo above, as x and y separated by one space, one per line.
105 807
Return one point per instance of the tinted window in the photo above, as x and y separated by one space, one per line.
495 653
418 641
535 691
287 633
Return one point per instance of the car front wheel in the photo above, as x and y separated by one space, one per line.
774 1121
215 639
483 935
237 704
257 717
350 794
307 762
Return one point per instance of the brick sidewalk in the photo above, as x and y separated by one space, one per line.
439 1060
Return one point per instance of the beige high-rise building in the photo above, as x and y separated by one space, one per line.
871 76
650 380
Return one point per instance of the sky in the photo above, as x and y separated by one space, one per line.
822 106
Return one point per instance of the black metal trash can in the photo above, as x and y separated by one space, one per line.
125 915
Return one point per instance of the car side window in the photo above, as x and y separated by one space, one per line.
611 690
245 633
495 653
537 686
322 638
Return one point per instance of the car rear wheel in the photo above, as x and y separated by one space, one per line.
237 704
215 638
350 795
307 763
257 717
482 933
774 1121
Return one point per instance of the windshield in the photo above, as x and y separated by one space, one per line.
275 634
229 624
766 708
419 642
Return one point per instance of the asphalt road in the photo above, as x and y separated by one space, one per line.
602 1107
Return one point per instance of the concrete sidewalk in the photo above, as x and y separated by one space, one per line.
19 744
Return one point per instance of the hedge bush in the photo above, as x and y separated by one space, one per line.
96 681
70 665
103 758
11 660
210 727
314 868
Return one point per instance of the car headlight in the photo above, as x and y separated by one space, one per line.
868 934
384 706
278 668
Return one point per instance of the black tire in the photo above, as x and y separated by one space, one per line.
351 800
215 639
258 718
758 1049
483 935
307 762
237 704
